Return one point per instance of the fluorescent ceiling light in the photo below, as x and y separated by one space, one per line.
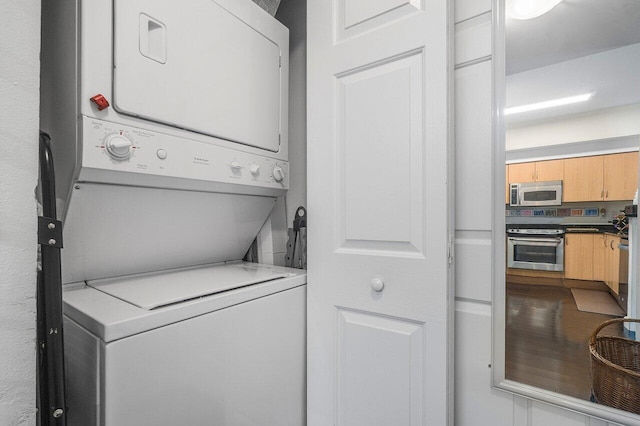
529 9
548 104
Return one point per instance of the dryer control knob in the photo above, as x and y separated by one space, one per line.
254 169
278 173
119 147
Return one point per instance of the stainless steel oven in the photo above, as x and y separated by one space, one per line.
537 249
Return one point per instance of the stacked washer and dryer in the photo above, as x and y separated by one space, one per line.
169 129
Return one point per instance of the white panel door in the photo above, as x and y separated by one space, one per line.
378 161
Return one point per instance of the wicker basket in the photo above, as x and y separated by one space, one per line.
615 369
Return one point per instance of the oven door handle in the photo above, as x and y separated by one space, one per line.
541 241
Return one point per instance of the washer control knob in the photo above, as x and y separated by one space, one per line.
161 153
235 165
278 173
119 147
254 169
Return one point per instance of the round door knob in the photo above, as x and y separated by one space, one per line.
254 169
377 285
118 147
278 173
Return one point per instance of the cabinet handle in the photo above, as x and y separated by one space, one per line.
606 193
602 194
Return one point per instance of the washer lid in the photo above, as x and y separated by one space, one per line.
151 291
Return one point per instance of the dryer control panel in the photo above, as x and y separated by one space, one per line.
114 147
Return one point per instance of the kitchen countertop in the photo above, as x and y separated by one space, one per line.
610 229
583 228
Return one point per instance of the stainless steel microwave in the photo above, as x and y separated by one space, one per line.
536 194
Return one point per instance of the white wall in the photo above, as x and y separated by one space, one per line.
272 240
293 14
476 403
600 124
19 103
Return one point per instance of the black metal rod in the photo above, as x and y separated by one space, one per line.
52 404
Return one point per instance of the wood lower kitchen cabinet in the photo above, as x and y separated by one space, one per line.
578 256
612 262
593 257
599 257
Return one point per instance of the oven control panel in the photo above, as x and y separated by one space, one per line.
535 231
115 147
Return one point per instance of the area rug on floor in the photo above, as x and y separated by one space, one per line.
598 302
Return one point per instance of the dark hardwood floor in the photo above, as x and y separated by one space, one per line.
547 337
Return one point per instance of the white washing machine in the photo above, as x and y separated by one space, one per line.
216 345
169 130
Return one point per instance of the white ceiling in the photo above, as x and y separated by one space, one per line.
574 28
579 46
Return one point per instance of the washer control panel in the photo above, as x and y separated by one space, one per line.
115 147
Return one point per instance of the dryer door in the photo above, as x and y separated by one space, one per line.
213 67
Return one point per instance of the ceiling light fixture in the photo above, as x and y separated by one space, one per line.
529 9
548 104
